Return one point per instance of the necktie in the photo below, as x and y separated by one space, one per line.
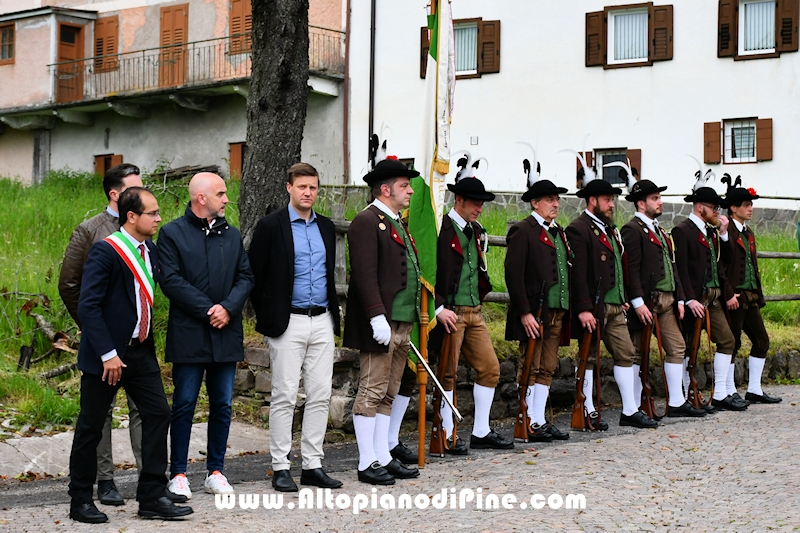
144 325
468 231
553 229
744 232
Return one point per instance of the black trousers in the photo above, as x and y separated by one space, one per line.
747 318
141 379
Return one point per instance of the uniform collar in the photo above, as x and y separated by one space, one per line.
738 225
699 222
599 222
542 222
647 220
458 219
385 208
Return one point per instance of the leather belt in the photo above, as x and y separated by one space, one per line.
134 342
308 311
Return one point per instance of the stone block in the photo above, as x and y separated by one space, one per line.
340 414
256 355
657 380
779 365
344 355
507 391
562 392
609 393
243 380
793 365
740 370
263 381
565 368
508 372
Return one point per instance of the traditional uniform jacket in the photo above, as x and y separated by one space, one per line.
736 268
378 271
593 259
646 259
450 261
531 259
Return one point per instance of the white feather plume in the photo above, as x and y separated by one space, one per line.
631 179
532 169
702 180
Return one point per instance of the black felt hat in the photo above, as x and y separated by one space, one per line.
598 187
542 188
642 189
471 189
737 195
387 169
706 195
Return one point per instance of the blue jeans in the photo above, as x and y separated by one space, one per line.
187 378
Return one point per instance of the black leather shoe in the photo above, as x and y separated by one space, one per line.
164 509
460 448
108 494
87 513
762 398
175 498
638 420
403 453
685 410
727 404
375 474
739 399
400 471
710 409
318 478
492 441
538 433
282 481
555 432
596 422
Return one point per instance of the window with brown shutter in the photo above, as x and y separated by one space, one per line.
489 47
728 26
764 139
241 26
106 36
745 29
660 31
6 44
477 48
712 148
424 51
595 40
102 163
174 31
236 163
744 140
786 22
633 35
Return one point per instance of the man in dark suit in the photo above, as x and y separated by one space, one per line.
745 280
703 249
651 270
297 311
461 285
538 251
382 306
117 349
600 256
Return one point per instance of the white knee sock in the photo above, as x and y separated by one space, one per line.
365 435
399 406
447 415
588 378
539 402
637 385
722 365
674 372
686 377
484 396
381 439
730 383
625 379
531 395
756 368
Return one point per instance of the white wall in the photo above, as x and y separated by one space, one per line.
546 96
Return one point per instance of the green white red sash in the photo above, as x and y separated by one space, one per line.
131 256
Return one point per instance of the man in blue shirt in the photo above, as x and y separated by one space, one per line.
297 311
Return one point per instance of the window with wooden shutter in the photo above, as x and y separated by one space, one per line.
712 149
174 31
633 35
236 163
595 39
106 36
6 43
728 26
424 51
489 47
757 29
786 22
102 163
661 33
764 139
477 44
241 26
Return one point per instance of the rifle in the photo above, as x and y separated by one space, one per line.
436 382
523 423
439 441
648 404
579 418
694 394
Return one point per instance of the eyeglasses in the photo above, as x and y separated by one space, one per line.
154 214
714 208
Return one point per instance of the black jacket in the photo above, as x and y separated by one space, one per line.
272 259
201 267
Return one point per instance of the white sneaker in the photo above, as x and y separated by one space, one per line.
180 485
216 483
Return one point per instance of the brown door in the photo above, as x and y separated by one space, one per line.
69 73
174 30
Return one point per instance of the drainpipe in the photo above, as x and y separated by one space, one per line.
346 106
371 74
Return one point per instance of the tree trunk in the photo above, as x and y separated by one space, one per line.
276 107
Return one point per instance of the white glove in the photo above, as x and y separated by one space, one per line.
381 331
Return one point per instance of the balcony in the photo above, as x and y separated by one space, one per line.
194 64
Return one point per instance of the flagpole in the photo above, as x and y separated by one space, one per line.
422 377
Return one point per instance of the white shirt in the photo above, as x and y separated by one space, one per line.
458 219
599 222
741 227
385 208
542 222
701 225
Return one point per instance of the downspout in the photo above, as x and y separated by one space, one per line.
371 75
346 106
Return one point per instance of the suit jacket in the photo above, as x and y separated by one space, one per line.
85 235
646 262
272 260
107 306
593 260
735 269
450 261
378 271
531 259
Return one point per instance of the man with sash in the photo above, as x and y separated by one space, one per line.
117 350
461 285
651 270
745 279
600 256
383 304
538 252
100 226
701 247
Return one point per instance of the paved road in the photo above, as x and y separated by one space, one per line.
729 472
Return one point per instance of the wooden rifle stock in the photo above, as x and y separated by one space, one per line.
523 422
648 404
579 418
439 442
694 393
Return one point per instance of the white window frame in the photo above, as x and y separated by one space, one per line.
728 136
600 156
611 49
742 29
477 60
